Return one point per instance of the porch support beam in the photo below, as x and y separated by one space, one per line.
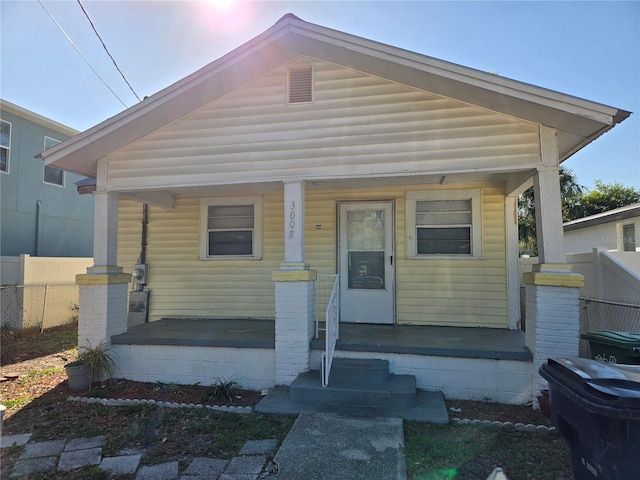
546 183
513 276
103 289
552 316
294 224
105 229
294 290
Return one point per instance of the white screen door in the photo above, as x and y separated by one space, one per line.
366 262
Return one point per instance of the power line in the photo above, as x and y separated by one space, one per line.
80 53
107 50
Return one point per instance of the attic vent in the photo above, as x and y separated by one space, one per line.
301 84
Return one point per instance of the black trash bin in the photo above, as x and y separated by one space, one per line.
596 407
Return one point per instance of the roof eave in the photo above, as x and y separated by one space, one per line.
590 119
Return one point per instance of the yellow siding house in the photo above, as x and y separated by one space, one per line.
308 159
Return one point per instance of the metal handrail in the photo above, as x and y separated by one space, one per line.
324 285
332 330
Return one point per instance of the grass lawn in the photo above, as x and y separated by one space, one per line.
37 404
434 452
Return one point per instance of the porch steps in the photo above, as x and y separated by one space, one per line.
357 387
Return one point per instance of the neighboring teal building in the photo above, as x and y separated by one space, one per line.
42 213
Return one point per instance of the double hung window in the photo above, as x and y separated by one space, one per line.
444 223
231 228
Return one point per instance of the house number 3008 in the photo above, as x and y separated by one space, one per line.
292 220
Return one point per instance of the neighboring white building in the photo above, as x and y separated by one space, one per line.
617 230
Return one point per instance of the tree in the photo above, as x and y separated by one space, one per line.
570 191
607 196
577 202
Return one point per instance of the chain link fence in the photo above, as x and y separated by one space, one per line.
42 306
602 315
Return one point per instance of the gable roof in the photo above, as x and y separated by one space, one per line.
577 121
615 215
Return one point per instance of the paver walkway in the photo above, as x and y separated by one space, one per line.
66 455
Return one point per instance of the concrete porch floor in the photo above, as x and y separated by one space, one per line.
488 343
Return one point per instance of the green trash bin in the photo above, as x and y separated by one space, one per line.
614 347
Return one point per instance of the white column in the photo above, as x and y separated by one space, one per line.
546 187
294 291
549 229
103 306
294 223
103 289
513 271
553 325
105 229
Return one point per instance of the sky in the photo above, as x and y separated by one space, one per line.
589 50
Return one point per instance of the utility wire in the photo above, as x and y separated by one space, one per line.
80 53
108 52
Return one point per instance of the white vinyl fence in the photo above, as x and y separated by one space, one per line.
39 291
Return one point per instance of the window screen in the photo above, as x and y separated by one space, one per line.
230 230
443 227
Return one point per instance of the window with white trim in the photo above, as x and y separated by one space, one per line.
5 145
629 237
444 223
52 175
231 227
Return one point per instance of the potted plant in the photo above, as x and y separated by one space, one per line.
93 363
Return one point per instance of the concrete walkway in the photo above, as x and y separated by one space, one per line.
67 455
325 446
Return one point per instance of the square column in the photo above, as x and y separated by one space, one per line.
294 222
294 291
104 288
103 305
105 229
548 200
552 316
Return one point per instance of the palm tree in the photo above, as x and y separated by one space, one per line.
571 193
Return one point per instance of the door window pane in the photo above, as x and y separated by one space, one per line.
365 230
366 270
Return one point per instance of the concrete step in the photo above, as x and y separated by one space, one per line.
395 390
359 373
429 407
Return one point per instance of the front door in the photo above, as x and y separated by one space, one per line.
366 270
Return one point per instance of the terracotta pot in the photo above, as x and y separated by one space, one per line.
545 403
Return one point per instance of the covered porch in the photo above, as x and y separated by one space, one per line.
460 362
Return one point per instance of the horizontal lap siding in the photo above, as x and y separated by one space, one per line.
357 125
182 285
460 292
